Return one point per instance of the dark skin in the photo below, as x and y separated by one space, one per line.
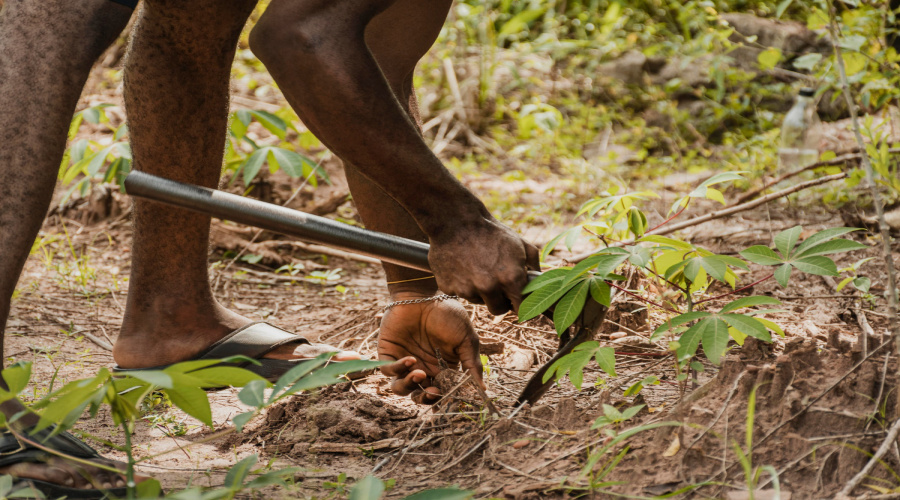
361 104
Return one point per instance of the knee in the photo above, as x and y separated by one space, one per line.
283 35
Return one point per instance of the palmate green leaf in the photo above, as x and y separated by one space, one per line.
827 234
253 164
783 274
771 325
573 364
541 299
272 478
756 300
787 239
763 255
862 284
369 488
547 278
750 326
253 394
714 335
830 247
569 307
555 241
155 377
225 376
818 265
591 262
331 374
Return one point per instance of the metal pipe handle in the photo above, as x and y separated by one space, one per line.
307 227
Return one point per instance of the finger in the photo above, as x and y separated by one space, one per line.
496 302
405 385
532 257
398 368
427 396
470 358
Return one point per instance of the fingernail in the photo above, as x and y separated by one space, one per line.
418 379
107 485
69 481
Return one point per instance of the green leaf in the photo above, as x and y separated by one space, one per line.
570 306
225 376
763 255
520 22
17 376
662 240
690 340
271 122
862 284
369 488
606 359
756 300
573 364
680 320
807 61
785 240
253 164
771 326
768 58
601 291
441 494
253 394
715 339
155 377
827 234
782 6
234 480
331 374
241 419
193 401
783 274
830 247
752 327
631 412
271 478
540 300
821 266
291 376
547 278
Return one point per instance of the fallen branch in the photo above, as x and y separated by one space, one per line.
725 212
749 195
885 446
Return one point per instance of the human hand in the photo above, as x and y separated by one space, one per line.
411 336
483 262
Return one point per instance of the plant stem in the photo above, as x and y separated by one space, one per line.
736 291
870 179
617 287
129 472
663 223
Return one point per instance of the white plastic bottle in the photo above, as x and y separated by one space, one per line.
799 137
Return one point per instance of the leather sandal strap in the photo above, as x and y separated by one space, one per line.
254 340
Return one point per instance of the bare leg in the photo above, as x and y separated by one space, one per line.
397 38
176 94
47 49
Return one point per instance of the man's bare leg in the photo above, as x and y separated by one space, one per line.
361 104
47 49
177 93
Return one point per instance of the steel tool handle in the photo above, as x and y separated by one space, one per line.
307 227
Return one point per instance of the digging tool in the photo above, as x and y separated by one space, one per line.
315 229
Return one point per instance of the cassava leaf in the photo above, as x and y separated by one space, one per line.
756 300
818 265
787 239
763 255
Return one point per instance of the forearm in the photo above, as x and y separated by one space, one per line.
333 82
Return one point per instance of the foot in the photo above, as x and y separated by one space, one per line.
167 335
413 335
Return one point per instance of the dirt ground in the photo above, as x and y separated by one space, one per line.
820 406
819 409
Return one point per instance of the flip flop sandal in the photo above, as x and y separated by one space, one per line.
12 452
254 340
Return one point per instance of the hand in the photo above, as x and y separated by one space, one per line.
410 335
484 263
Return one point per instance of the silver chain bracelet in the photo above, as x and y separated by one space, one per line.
437 298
